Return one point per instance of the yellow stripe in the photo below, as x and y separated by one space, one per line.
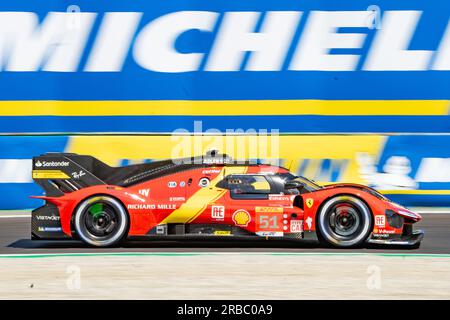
219 195
196 204
227 107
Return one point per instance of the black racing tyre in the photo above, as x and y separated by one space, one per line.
344 221
101 221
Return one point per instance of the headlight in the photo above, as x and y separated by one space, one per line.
394 220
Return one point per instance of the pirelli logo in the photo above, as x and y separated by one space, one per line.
49 174
222 233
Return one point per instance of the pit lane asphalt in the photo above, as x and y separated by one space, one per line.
15 239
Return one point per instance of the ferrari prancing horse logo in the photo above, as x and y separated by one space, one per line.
309 202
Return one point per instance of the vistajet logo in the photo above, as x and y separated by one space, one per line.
48 218
58 42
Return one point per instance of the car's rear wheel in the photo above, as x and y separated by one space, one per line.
101 221
344 221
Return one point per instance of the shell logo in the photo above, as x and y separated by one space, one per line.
241 218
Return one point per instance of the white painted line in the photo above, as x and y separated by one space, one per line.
426 210
12 216
200 253
431 212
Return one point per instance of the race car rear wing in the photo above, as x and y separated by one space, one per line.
58 173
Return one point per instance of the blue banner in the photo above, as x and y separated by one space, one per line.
221 50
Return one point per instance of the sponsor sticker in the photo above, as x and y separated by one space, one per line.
218 212
148 206
309 202
78 175
211 171
218 160
241 218
49 229
381 235
222 233
49 174
383 231
309 223
380 221
270 233
280 198
172 184
204 182
44 164
139 206
144 192
269 209
48 218
161 229
135 197
166 206
177 199
296 226
269 221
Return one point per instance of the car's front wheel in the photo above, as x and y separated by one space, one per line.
344 221
101 221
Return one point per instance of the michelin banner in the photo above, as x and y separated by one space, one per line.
415 171
311 66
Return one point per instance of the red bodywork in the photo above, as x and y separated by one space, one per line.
180 198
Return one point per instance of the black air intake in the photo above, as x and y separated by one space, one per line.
393 219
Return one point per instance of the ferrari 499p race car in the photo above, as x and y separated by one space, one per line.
207 196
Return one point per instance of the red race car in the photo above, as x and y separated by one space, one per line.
207 196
